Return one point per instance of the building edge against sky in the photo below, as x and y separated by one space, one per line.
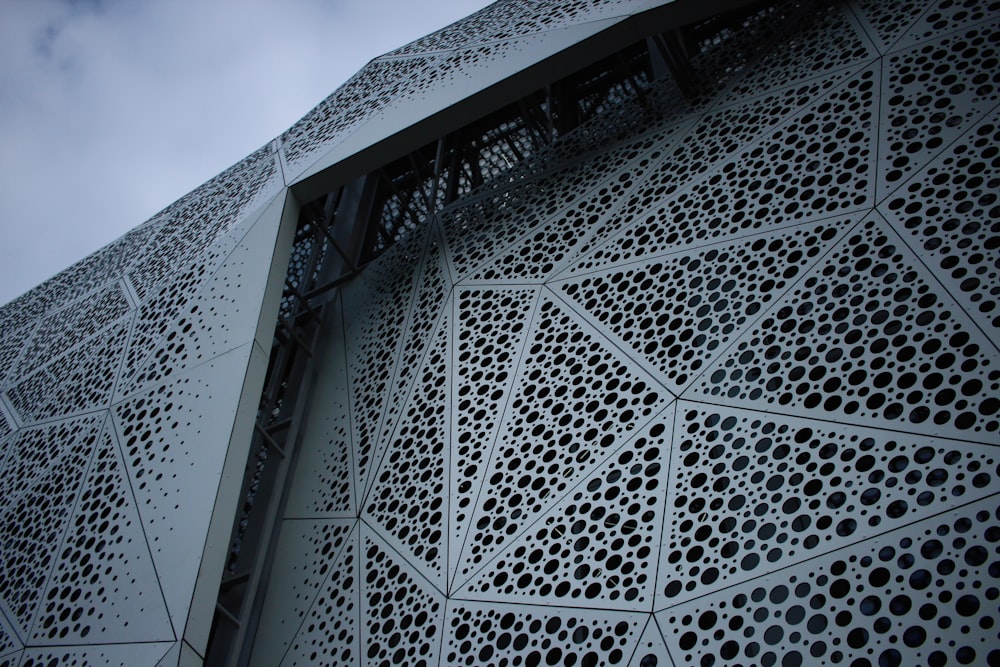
607 333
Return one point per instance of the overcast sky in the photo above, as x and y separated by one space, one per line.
112 109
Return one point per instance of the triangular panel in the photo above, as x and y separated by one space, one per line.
781 490
103 587
490 326
824 41
576 399
320 624
906 356
172 657
324 476
946 16
931 93
597 545
508 634
535 257
887 20
432 289
818 162
375 307
224 313
203 226
10 643
80 380
402 614
677 312
479 229
194 235
948 213
65 328
42 476
109 655
651 651
408 503
174 440
715 136
887 601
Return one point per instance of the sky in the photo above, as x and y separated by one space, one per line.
112 109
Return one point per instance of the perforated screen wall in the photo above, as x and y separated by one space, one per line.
713 384
121 379
713 379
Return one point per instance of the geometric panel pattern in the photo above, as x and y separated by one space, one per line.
44 469
584 534
174 476
720 388
325 485
401 612
103 577
827 169
307 580
934 91
406 502
948 213
781 488
552 435
904 352
478 633
889 601
100 458
717 289
713 383
489 335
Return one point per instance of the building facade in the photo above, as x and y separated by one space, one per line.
576 333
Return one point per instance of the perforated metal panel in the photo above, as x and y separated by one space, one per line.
119 380
711 379
716 386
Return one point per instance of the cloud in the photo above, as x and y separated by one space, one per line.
111 109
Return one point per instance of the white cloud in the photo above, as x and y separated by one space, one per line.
110 110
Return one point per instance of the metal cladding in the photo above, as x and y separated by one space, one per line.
711 380
121 378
